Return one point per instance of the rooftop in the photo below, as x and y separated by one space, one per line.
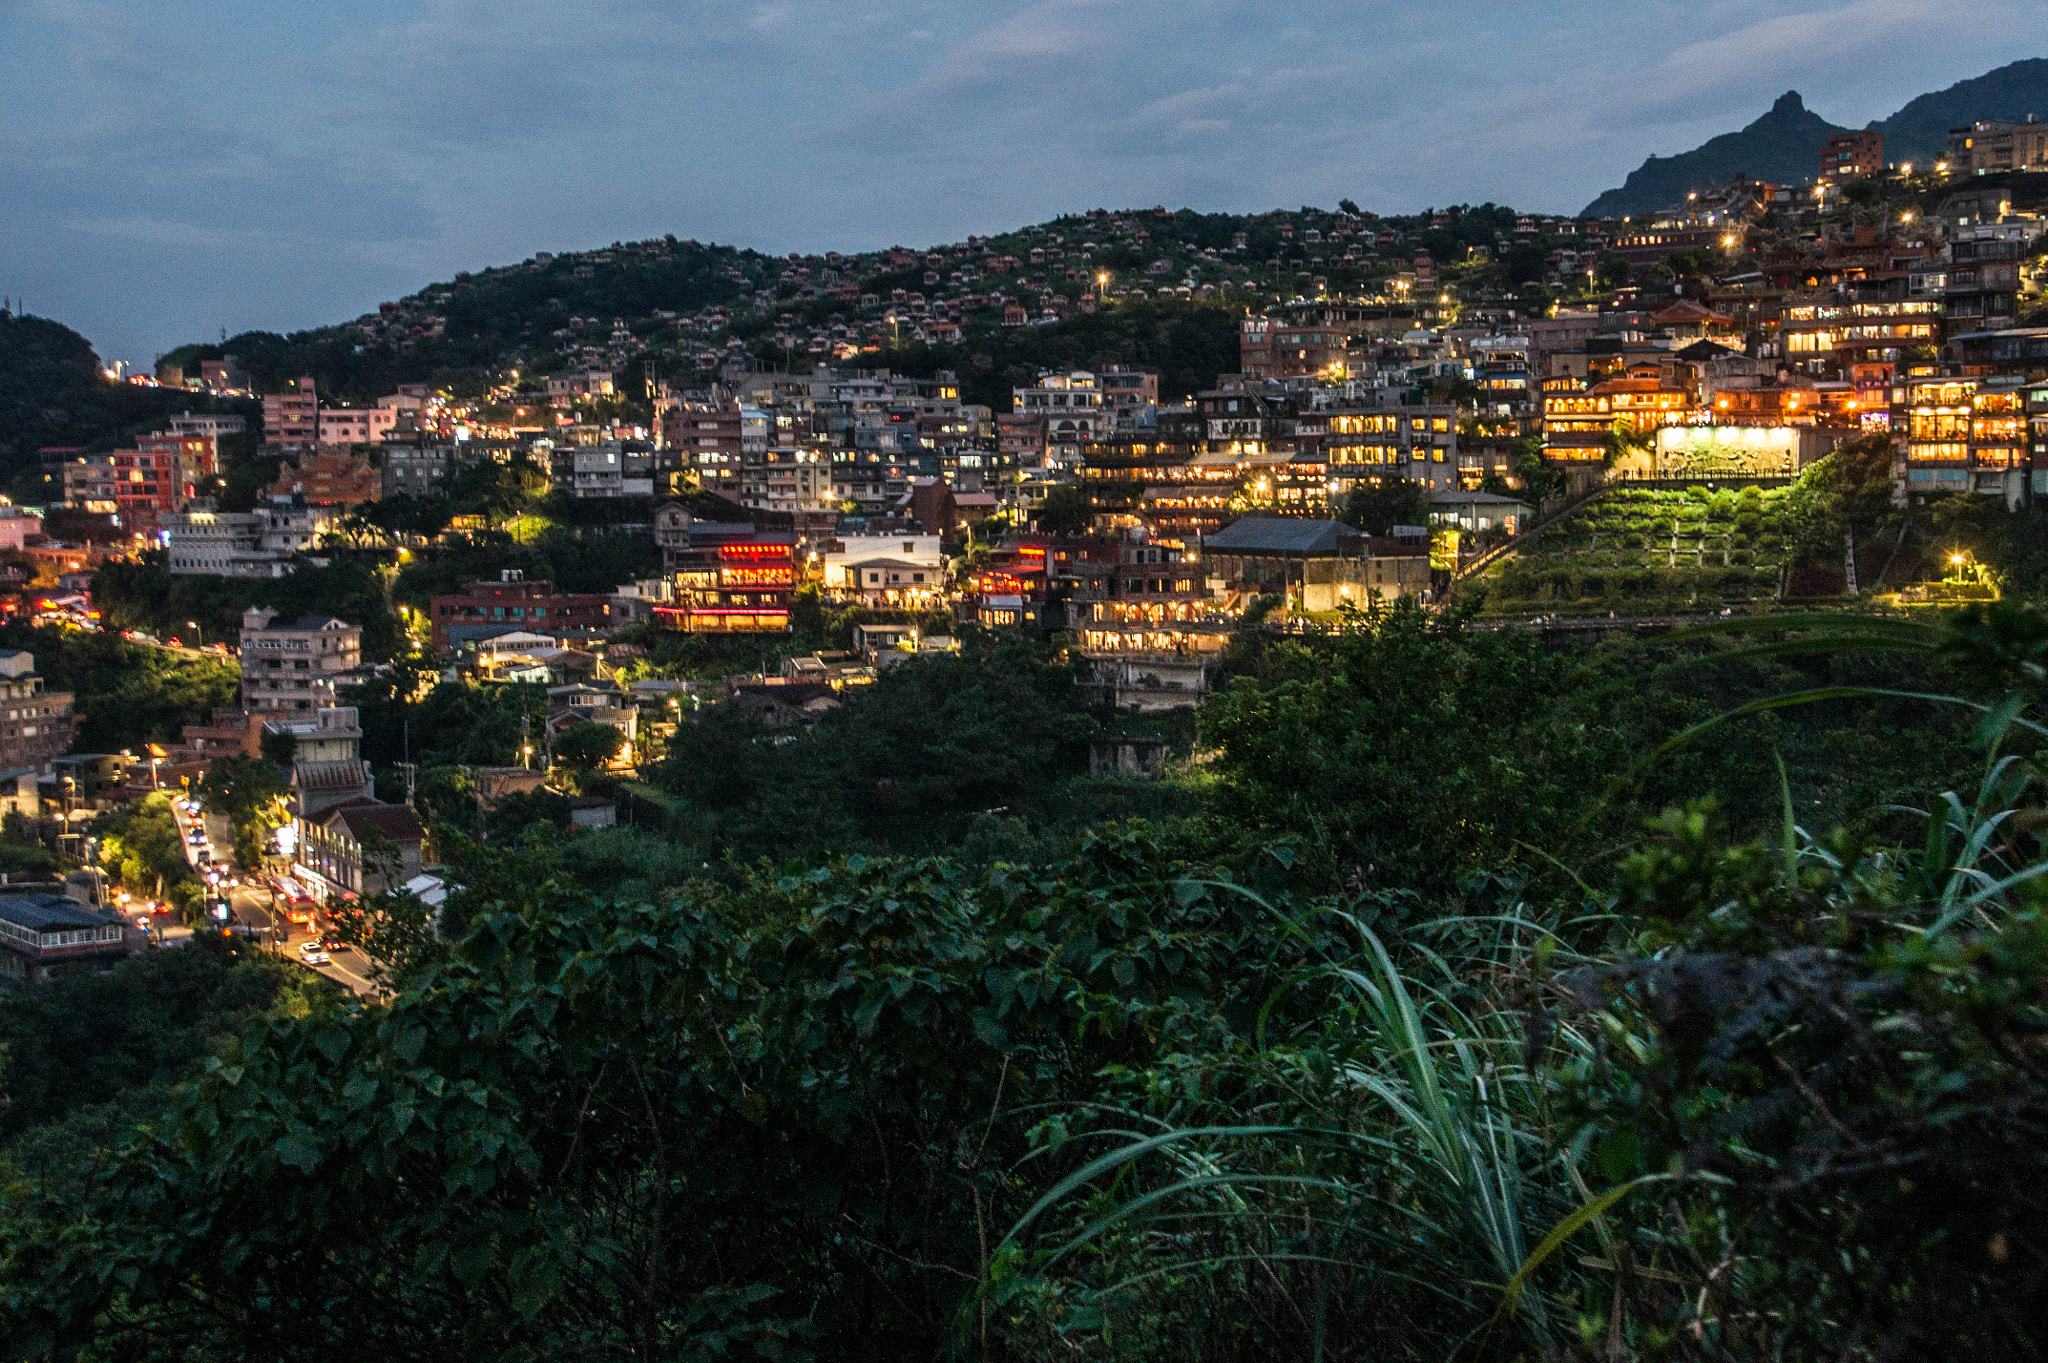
1282 535
44 912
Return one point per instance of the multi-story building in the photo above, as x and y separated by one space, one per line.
1991 144
1962 433
703 438
1851 156
354 425
358 847
1982 285
1418 443
329 476
731 580
1138 596
1840 333
241 543
292 418
296 665
609 470
35 724
485 608
415 469
1020 440
1128 389
1072 407
1279 348
161 475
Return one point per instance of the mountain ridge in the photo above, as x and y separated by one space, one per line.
1782 145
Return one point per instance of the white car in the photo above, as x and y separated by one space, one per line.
312 953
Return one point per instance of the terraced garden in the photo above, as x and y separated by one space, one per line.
1653 552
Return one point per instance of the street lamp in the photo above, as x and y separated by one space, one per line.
198 635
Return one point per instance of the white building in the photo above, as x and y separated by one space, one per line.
241 543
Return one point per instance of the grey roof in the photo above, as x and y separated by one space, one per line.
1460 497
41 912
345 774
1283 535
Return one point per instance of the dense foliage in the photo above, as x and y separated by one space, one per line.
126 695
1420 1032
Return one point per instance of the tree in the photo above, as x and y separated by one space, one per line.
1540 482
1348 206
588 745
1613 271
1064 511
1377 507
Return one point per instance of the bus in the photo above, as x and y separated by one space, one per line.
292 898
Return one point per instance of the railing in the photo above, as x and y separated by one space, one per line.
1543 523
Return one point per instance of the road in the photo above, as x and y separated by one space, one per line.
252 905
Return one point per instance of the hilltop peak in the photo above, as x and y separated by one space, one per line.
1789 103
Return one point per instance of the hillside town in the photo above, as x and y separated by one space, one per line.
1412 402
1352 782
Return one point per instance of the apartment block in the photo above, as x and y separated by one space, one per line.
296 664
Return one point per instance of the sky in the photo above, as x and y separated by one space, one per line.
168 170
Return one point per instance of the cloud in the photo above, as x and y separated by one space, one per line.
283 166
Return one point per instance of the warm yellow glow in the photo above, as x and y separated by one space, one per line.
1955 558
1728 241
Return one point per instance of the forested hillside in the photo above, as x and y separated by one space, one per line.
52 393
1678 999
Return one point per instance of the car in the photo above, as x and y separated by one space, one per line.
312 953
332 943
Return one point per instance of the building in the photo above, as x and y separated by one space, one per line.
1851 156
326 752
565 389
292 418
241 543
19 525
38 723
702 438
512 603
354 425
1071 406
329 476
1990 145
885 570
356 848
1311 565
731 583
160 476
1962 433
296 665
1277 348
415 469
46 935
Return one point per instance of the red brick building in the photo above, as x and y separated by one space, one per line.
491 607
1851 156
330 478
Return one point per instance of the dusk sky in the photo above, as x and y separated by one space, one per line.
170 169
